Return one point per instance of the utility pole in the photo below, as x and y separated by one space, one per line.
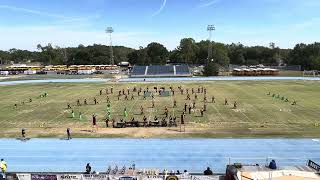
109 31
210 28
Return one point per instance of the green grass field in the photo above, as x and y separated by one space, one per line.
257 115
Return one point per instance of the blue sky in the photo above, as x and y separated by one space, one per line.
25 23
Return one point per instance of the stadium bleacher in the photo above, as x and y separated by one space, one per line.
160 71
138 70
182 70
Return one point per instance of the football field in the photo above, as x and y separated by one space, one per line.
257 114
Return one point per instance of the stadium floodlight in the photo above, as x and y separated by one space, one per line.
109 31
210 28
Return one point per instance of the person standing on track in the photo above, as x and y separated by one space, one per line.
68 134
88 168
23 133
4 167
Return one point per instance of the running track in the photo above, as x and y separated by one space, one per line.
176 79
191 154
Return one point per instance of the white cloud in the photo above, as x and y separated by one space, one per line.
161 8
207 3
30 11
46 14
64 36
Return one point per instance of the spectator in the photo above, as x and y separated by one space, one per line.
273 164
3 166
208 172
172 173
69 133
185 174
88 169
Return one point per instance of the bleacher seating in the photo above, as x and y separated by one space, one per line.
138 70
182 70
160 70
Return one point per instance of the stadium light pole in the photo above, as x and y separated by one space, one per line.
210 28
109 31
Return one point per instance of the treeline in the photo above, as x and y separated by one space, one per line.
189 51
95 54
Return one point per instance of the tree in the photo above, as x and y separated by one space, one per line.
236 54
315 63
220 54
211 69
188 50
50 55
202 54
157 53
4 57
143 57
305 55
133 57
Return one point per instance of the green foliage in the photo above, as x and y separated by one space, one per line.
242 55
189 51
220 54
211 69
157 53
308 56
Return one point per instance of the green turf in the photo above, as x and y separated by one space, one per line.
257 115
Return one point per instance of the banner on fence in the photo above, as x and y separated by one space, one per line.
24 176
69 176
94 177
203 178
43 177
